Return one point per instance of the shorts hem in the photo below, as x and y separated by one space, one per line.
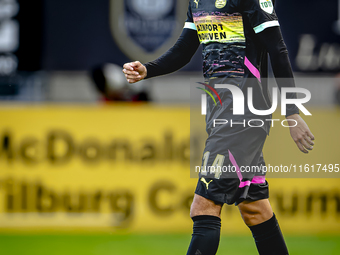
216 201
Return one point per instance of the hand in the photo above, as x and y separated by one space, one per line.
300 133
134 71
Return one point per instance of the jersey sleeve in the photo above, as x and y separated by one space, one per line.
261 14
179 55
189 23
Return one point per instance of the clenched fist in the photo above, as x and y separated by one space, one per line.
134 71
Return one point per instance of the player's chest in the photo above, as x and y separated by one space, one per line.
217 21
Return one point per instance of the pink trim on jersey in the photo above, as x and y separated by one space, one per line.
252 69
233 161
255 180
258 179
243 184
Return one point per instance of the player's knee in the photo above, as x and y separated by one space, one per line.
195 209
247 213
203 206
250 218
254 213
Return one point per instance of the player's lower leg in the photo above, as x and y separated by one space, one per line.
259 217
207 224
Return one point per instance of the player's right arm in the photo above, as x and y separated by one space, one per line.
174 59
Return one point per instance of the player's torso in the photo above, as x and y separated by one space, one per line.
221 30
228 40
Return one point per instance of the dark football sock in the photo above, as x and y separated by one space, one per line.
206 235
268 238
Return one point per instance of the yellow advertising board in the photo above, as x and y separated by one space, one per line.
126 168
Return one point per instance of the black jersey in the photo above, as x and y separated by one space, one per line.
232 53
227 29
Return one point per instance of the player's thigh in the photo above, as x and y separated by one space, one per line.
255 212
204 206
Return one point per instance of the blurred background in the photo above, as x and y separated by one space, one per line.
92 165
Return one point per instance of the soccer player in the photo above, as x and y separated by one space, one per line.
236 37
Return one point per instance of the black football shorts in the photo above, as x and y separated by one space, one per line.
231 170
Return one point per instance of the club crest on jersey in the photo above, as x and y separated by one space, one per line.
144 29
267 6
220 3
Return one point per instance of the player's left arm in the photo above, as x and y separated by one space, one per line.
300 133
272 39
266 26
